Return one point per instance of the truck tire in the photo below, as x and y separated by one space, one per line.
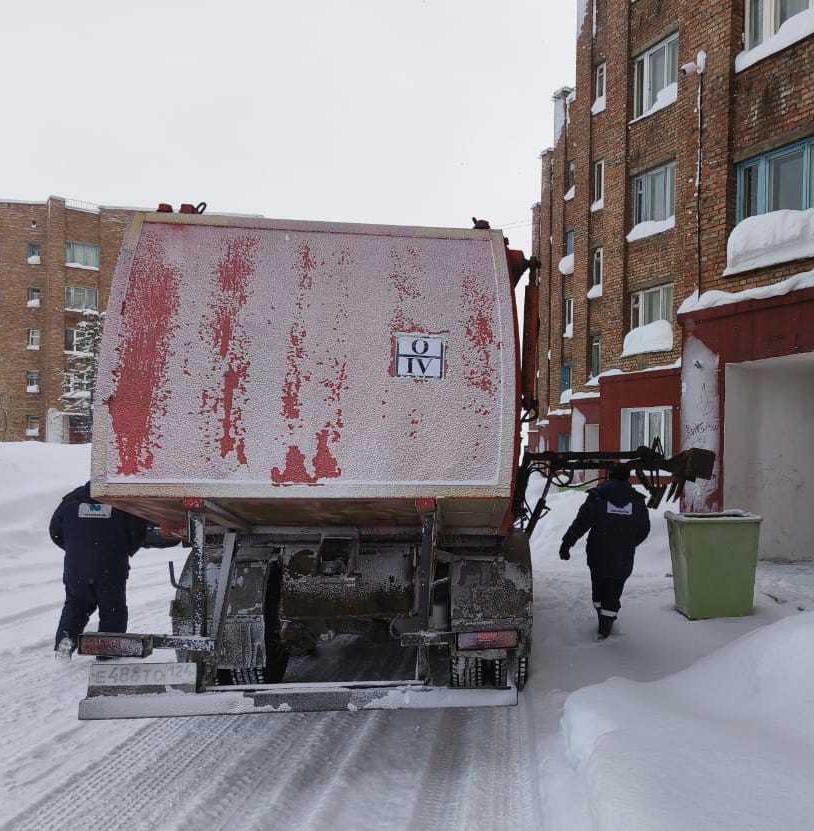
466 673
521 672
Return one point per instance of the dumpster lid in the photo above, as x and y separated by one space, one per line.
732 515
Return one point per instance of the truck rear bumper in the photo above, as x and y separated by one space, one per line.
292 698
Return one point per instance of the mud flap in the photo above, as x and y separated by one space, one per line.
293 698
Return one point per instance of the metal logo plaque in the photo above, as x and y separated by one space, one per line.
420 356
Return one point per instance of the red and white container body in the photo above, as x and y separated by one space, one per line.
308 373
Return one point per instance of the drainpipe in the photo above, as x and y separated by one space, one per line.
697 68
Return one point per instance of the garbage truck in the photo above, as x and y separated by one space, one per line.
329 415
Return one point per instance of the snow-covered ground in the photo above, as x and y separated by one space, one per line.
727 743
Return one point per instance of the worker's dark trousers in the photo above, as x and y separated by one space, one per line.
607 593
82 597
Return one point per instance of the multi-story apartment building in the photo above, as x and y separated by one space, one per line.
683 166
56 262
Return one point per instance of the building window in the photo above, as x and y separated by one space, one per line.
570 239
570 175
782 179
598 266
563 442
650 305
568 316
76 385
654 194
640 427
596 355
765 17
599 180
32 426
33 339
34 297
655 70
32 381
79 298
599 86
70 340
565 378
33 253
82 254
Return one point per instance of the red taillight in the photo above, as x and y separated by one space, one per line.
115 645
505 639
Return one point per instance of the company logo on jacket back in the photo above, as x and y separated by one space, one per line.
625 510
91 510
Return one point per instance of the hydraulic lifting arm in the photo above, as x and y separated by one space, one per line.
648 463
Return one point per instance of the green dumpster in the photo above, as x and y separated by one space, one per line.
714 560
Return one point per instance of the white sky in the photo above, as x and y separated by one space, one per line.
420 112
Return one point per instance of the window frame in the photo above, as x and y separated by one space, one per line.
600 71
666 413
769 21
34 339
645 205
599 179
762 162
599 250
566 371
73 262
30 294
32 425
33 249
567 313
642 90
638 305
595 366
570 242
85 289
570 175
36 382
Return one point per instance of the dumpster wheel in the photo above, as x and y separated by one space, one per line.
466 673
521 672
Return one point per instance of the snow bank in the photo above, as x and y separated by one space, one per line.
712 299
666 96
594 292
793 30
570 193
725 744
567 265
651 228
598 106
653 337
769 239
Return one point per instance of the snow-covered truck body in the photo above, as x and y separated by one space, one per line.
331 413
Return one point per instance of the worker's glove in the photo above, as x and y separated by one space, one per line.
565 551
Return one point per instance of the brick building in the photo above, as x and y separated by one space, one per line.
56 260
666 183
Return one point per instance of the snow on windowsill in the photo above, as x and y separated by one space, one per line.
76 394
80 265
793 30
32 389
652 337
33 304
667 96
598 205
75 354
32 348
567 265
560 412
594 382
769 239
565 396
81 311
651 228
713 299
594 292
598 106
570 194
582 396
569 331
32 433
34 259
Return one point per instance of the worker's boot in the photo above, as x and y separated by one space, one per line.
64 650
605 625
598 607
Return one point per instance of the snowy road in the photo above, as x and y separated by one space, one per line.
403 770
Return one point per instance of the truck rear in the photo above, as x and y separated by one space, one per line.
329 415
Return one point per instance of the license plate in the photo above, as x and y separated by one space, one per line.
110 679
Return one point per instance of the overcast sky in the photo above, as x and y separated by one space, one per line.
419 112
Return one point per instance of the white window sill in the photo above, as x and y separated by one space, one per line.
32 433
598 205
666 97
32 389
570 194
33 304
34 260
651 228
84 267
594 292
31 348
792 31
598 106
566 265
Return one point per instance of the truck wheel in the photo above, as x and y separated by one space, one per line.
521 672
500 673
466 673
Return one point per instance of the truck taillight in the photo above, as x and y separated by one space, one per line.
504 639
113 645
